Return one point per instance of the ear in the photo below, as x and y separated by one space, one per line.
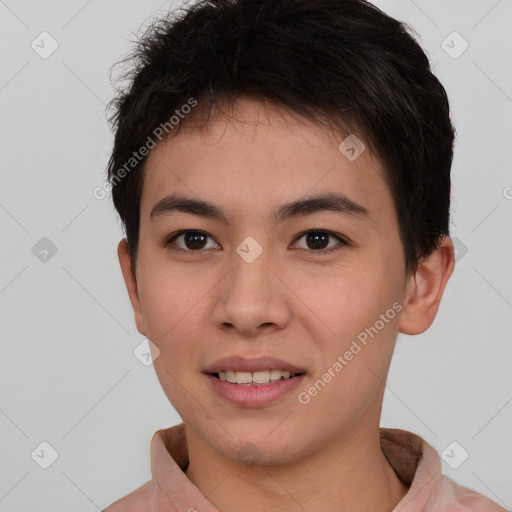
123 252
425 289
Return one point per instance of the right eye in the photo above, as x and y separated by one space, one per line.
192 241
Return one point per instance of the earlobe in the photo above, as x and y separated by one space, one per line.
123 253
425 289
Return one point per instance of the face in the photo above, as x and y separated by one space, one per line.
319 284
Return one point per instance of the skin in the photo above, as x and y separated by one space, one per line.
291 302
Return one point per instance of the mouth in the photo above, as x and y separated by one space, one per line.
257 378
255 389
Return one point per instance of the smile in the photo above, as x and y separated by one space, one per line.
251 378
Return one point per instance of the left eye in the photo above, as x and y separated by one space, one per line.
318 240
194 241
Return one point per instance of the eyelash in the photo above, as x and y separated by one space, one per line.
343 242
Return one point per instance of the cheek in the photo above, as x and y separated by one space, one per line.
159 306
347 300
175 316
359 322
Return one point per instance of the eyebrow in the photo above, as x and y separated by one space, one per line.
324 202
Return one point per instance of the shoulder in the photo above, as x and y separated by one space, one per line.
135 501
462 499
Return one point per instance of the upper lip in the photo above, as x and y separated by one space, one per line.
251 364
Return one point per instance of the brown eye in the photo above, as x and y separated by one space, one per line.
191 241
318 241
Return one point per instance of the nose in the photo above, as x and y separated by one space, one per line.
253 297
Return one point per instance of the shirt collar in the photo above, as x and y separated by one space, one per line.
414 461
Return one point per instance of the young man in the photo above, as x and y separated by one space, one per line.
282 171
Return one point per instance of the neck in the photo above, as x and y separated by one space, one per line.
351 473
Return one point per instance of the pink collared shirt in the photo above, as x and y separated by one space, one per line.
413 459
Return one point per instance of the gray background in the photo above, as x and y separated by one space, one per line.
69 374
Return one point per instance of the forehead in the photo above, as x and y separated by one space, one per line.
259 158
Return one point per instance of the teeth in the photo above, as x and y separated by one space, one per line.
263 377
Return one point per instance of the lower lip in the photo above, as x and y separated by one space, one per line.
244 395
